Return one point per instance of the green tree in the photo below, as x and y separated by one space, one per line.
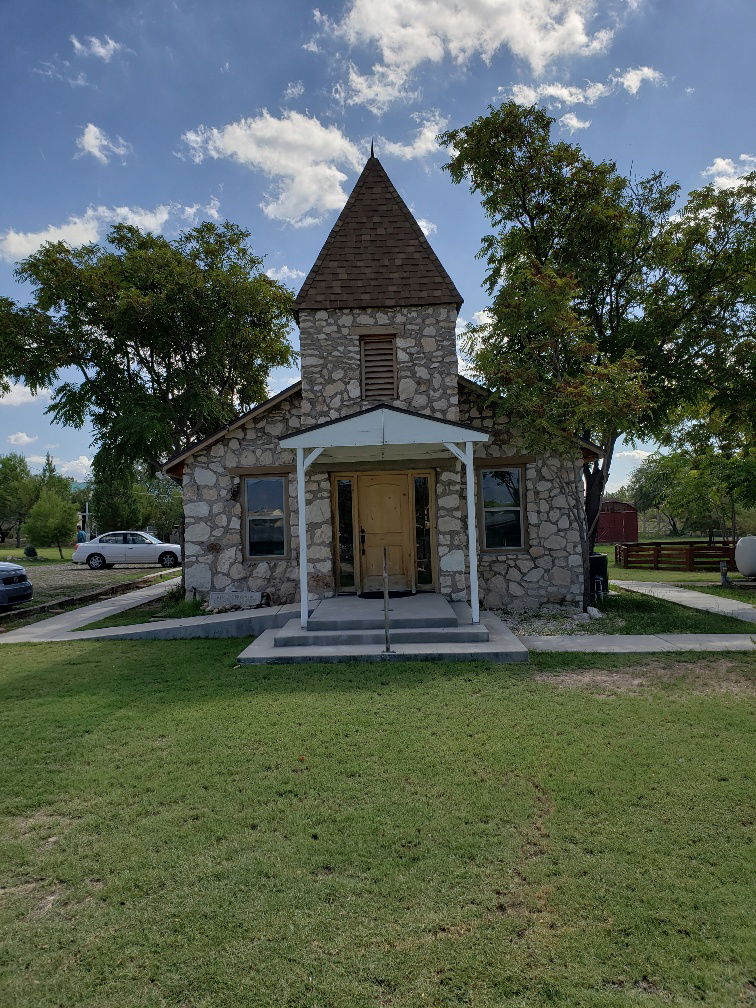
115 502
161 504
52 521
556 382
50 479
18 492
654 484
169 338
651 292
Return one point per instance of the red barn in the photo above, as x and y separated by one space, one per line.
618 522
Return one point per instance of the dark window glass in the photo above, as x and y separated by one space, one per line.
346 533
502 514
133 539
424 572
112 539
501 488
266 533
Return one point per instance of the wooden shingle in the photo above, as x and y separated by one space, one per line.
376 255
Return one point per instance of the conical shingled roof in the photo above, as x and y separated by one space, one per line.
376 256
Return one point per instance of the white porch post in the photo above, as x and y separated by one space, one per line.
467 458
302 465
472 532
303 594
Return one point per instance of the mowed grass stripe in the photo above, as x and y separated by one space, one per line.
181 832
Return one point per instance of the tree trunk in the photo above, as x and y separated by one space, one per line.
595 475
60 549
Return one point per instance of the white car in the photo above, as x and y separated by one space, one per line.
126 548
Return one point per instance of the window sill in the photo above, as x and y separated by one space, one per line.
266 559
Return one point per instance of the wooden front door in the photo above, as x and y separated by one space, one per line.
383 508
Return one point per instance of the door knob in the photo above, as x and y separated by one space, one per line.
362 540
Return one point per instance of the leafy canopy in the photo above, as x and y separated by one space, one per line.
154 341
610 313
52 521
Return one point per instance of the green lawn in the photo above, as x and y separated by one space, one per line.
747 595
181 832
628 613
668 577
45 555
171 606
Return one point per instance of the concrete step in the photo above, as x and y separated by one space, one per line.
501 646
292 635
345 613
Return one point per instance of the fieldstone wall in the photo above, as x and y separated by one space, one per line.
426 352
214 536
549 568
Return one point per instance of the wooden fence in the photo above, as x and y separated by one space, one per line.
673 556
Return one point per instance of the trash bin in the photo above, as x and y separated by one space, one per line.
599 567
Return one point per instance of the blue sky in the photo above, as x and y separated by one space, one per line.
168 112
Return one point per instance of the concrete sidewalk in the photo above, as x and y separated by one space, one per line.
641 643
692 599
58 627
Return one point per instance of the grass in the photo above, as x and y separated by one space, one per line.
628 613
747 595
668 577
45 555
171 606
183 833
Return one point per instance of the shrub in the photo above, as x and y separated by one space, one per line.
30 552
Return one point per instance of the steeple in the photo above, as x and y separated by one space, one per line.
376 255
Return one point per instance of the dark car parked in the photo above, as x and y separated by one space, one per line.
15 585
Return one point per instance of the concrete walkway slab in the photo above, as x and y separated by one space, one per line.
641 643
692 599
63 623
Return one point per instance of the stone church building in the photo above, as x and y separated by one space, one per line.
380 445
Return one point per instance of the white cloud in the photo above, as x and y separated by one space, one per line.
284 274
430 125
636 454
294 89
20 395
104 48
427 227
409 33
631 80
84 229
724 173
378 89
571 122
21 440
297 152
556 94
483 317
211 209
79 468
96 142
58 69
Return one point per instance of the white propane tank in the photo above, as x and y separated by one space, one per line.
745 556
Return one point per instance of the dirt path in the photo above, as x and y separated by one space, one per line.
65 580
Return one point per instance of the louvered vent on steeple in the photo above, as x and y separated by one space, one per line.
378 360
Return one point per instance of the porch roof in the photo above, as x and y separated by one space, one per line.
383 432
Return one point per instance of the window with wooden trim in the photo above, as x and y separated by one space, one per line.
266 516
501 505
378 367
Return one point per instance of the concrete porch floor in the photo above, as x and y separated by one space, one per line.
422 627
